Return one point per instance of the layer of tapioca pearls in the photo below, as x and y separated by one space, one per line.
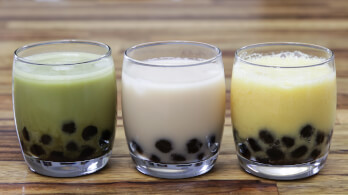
166 150
75 145
307 144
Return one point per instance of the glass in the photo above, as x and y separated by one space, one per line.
64 97
173 105
283 104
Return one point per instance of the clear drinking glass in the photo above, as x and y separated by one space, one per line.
64 97
173 105
283 104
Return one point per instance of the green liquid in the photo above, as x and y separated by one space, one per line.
50 98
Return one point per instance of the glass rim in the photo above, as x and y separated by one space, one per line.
306 45
32 45
172 42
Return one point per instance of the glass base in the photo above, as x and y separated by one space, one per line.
282 172
174 171
67 169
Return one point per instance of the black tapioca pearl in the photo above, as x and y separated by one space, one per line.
177 157
155 158
106 135
315 153
243 150
26 134
288 141
72 146
212 139
89 132
164 145
45 139
86 152
254 145
307 131
299 152
200 156
69 127
262 160
275 154
37 150
193 146
56 156
105 138
135 147
266 137
320 138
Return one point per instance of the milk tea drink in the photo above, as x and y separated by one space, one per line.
65 113
173 114
283 115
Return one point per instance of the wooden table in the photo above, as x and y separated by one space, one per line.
121 24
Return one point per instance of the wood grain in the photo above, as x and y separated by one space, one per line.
121 24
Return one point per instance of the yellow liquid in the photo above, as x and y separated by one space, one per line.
283 100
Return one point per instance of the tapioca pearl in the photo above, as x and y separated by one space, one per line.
26 134
254 145
89 132
275 154
299 152
262 160
86 152
155 158
319 138
211 140
45 139
288 141
72 146
69 127
56 156
307 131
106 135
200 156
193 146
135 147
315 153
177 157
243 150
164 145
105 138
266 136
37 150
213 146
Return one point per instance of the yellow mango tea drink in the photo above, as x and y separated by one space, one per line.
173 107
64 97
283 103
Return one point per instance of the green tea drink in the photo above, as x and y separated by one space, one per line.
65 113
284 115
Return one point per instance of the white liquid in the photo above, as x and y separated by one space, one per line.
173 103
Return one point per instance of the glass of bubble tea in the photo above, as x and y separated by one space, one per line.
283 104
173 105
64 97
